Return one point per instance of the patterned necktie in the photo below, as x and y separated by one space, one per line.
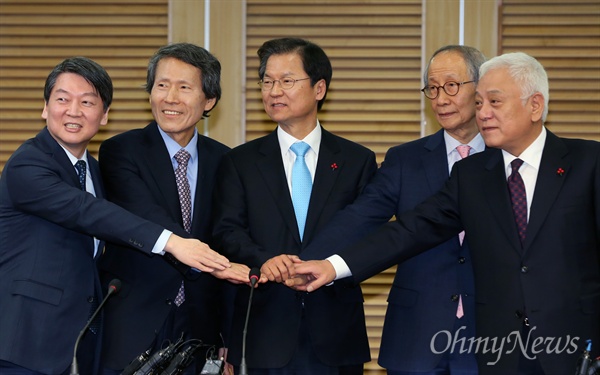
516 187
183 188
81 170
301 185
185 200
463 151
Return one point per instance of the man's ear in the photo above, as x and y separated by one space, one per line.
320 89
537 107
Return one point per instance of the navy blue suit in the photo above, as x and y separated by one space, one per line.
424 296
139 176
48 274
553 279
256 221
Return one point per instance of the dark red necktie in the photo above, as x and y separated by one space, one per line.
518 197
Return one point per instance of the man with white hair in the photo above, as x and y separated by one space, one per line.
531 206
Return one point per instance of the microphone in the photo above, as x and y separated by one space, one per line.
182 359
113 287
159 358
254 277
137 363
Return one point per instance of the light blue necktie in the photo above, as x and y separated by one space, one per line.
301 185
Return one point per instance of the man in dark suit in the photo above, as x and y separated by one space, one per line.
51 217
140 170
420 305
261 215
531 207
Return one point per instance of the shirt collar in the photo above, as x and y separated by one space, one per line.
72 157
313 139
173 147
531 156
477 143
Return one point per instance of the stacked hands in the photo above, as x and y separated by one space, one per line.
290 270
305 276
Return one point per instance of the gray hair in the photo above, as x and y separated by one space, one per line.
527 72
473 59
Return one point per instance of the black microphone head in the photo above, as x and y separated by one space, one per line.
114 286
254 275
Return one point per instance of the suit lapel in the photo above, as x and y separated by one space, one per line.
271 169
50 146
498 198
203 193
96 180
435 162
160 166
548 184
325 177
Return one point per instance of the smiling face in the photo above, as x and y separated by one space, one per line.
177 99
456 114
295 109
504 119
74 112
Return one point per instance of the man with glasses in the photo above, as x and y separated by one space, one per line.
432 292
530 205
273 196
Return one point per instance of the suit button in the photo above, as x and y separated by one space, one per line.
454 298
461 260
168 302
91 299
524 269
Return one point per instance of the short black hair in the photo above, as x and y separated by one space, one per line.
90 70
314 60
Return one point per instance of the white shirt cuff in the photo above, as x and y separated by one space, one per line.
159 246
339 265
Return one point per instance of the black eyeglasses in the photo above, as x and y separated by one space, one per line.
286 83
450 88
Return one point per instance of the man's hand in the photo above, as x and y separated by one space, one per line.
280 268
311 275
236 274
196 254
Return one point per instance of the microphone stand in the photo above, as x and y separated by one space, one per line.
113 287
254 276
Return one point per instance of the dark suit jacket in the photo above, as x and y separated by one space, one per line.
139 176
554 280
424 296
256 221
47 268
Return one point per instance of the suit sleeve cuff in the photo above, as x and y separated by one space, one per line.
159 246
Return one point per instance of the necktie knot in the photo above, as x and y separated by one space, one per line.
81 170
182 157
463 150
516 164
300 148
